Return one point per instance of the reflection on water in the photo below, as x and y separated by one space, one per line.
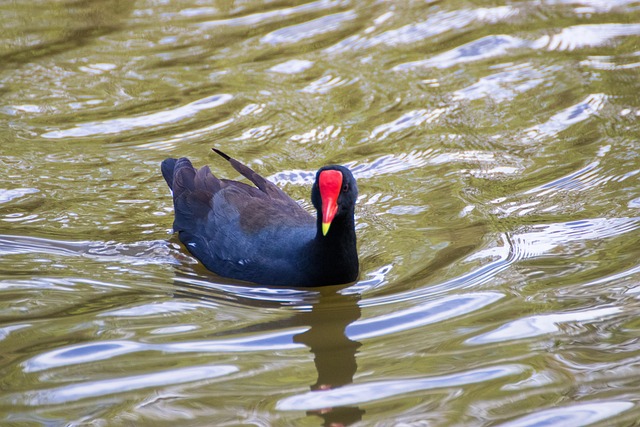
334 354
496 150
324 317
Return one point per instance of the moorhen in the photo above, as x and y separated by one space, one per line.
259 234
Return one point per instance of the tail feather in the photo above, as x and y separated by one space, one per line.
167 167
206 181
192 192
263 184
183 177
190 210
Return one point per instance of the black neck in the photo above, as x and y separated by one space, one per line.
337 250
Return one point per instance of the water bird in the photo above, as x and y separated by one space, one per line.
257 233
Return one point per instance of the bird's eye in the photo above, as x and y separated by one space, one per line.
345 188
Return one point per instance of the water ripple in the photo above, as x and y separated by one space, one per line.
80 353
581 36
437 23
542 324
608 63
103 350
89 389
595 6
541 239
171 142
418 315
581 414
391 164
535 241
245 295
477 50
120 125
292 66
265 18
327 83
582 179
310 29
505 85
152 309
569 116
407 120
15 193
571 38
372 391
387 164
151 252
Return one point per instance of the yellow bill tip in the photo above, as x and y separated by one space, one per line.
325 228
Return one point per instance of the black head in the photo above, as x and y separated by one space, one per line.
334 195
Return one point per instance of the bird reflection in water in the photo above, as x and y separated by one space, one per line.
334 353
332 310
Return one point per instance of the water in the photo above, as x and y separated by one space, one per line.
496 151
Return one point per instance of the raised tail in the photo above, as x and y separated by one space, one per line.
263 184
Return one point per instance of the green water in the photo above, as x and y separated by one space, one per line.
496 150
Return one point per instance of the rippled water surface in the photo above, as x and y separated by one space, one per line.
496 146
